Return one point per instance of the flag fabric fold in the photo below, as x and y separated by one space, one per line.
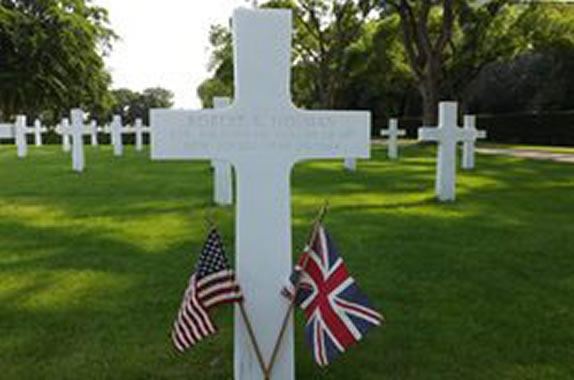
337 313
213 283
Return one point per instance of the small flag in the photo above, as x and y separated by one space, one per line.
213 283
337 313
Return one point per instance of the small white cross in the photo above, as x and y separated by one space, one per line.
222 170
447 135
21 141
38 130
393 143
78 157
116 135
350 164
64 130
468 147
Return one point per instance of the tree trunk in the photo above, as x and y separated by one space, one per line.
430 92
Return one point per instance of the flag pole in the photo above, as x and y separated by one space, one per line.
212 225
254 341
318 220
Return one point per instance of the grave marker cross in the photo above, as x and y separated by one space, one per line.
448 135
394 133
38 132
263 135
468 147
78 156
21 140
222 171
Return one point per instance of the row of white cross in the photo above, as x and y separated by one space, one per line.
263 135
72 135
447 135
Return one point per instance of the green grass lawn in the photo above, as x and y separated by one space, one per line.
93 266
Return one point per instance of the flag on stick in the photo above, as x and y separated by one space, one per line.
337 313
213 283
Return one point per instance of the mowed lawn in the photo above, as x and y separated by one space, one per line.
93 266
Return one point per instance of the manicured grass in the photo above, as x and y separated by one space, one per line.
92 266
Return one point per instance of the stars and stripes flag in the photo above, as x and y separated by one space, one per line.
337 313
213 283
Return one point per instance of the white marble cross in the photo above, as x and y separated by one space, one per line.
116 134
350 164
468 147
21 141
16 131
65 132
93 131
78 129
448 135
222 170
393 142
262 135
139 134
38 130
138 129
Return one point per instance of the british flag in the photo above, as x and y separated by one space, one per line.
337 313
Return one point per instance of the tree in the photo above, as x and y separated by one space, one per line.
448 42
131 105
324 34
51 55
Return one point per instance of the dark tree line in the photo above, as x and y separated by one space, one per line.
400 57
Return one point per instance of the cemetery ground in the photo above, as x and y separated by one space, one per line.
93 266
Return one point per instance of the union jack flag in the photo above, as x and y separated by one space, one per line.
337 313
212 284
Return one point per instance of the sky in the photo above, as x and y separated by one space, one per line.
164 43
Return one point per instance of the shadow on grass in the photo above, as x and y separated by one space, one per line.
477 289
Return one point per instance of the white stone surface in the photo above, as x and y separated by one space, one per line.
139 134
38 130
65 132
263 135
447 135
93 131
468 147
116 133
350 164
222 170
20 130
393 141
78 130
7 131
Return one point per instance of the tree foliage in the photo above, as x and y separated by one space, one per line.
411 54
51 55
131 105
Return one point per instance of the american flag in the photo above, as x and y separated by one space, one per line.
337 313
213 283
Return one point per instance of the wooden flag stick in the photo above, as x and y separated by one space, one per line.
254 341
318 220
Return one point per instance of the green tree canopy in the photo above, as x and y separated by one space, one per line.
131 105
52 55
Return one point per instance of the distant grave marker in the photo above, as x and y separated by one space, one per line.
350 164
468 146
78 130
447 135
393 142
222 170
116 135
